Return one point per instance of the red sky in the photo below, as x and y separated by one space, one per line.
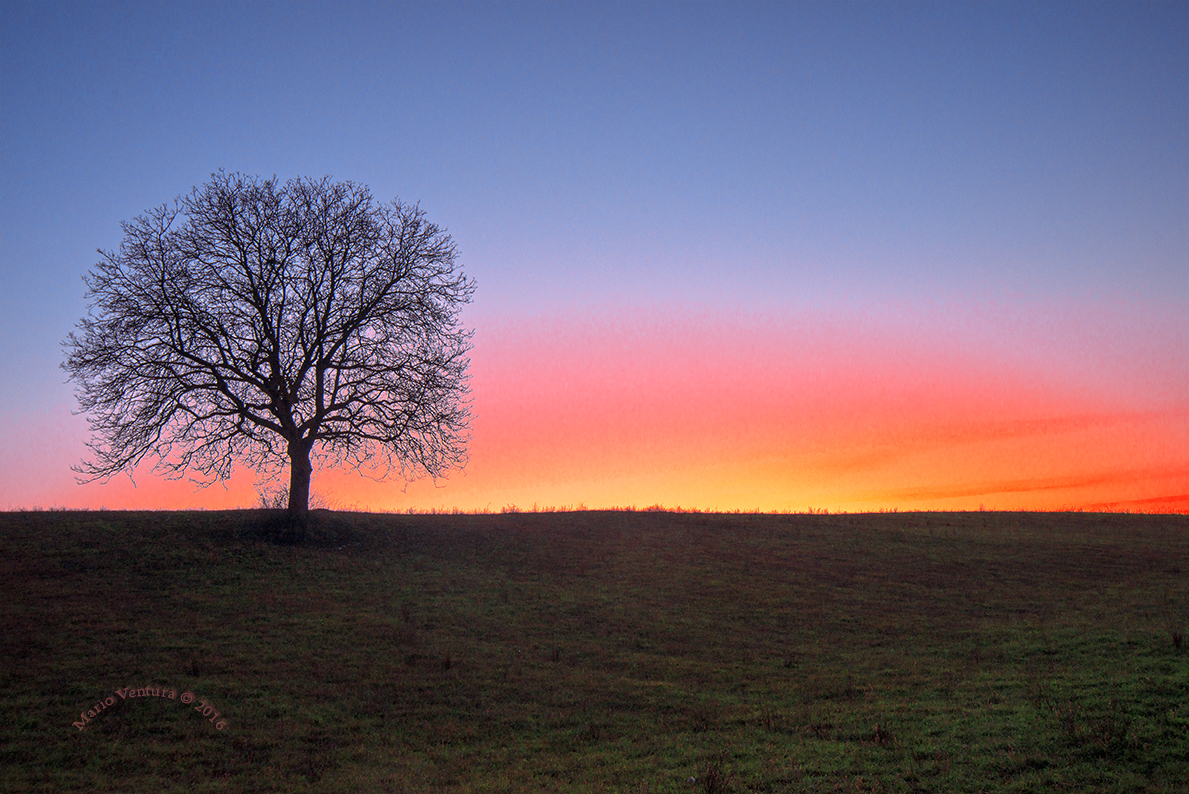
951 406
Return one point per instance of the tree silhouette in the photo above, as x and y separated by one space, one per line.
255 322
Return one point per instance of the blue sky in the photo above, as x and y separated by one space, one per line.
733 157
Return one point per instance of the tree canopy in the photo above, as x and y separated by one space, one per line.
254 322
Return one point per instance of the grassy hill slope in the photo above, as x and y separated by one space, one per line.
595 651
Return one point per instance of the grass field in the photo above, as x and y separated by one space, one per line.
595 651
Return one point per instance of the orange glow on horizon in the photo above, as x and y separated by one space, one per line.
704 412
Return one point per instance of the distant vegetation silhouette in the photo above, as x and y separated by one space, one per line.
260 323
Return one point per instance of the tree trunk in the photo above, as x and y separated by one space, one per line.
299 479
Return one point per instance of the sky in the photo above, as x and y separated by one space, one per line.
850 256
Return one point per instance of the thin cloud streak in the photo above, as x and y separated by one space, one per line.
1118 477
1160 504
926 438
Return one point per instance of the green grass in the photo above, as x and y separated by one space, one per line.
597 651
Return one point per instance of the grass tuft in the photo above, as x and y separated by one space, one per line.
714 777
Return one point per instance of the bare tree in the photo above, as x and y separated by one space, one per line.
252 322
